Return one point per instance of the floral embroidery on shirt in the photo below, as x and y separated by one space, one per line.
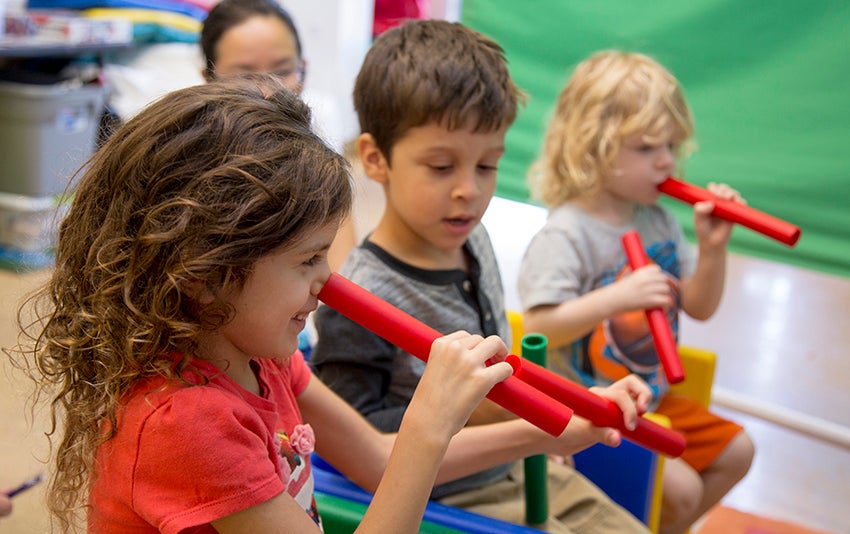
303 439
302 442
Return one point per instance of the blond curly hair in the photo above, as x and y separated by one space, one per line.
609 96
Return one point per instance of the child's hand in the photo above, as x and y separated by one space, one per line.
631 394
711 231
457 377
5 503
644 289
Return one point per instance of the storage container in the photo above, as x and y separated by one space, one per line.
46 133
28 230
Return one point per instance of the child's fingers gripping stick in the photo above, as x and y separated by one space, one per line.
477 360
601 411
662 335
461 369
736 212
631 394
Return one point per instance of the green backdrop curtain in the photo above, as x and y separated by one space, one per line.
768 83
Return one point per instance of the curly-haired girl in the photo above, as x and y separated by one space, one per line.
166 336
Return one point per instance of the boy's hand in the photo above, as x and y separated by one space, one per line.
644 289
631 394
711 231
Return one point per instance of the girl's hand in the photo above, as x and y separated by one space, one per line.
644 289
711 231
457 378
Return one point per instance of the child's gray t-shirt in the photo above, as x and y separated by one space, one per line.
575 253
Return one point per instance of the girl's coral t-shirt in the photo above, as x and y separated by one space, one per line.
187 454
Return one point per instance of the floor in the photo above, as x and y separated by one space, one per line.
781 336
22 444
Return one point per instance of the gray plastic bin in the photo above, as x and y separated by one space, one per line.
46 133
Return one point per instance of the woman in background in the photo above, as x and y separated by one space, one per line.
245 36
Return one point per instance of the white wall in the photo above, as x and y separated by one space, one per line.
335 35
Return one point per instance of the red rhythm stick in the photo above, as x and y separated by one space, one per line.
415 337
521 394
662 334
601 411
761 222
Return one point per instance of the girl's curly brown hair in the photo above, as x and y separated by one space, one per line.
193 190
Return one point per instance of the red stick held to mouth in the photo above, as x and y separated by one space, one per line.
519 394
662 335
761 222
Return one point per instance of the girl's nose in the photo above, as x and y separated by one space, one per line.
322 277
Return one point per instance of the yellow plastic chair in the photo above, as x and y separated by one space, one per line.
699 366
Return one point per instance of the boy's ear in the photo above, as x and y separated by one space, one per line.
375 165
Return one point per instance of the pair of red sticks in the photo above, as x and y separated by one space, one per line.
532 392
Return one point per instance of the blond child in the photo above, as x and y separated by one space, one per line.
619 125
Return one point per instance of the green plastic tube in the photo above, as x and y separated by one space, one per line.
536 493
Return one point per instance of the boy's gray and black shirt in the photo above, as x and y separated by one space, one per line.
378 378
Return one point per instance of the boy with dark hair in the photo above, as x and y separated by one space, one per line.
433 128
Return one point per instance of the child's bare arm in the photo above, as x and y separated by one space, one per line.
701 292
481 447
565 322
454 382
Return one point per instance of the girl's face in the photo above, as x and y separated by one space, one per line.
260 44
640 166
272 306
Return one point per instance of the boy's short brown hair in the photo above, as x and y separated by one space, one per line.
433 70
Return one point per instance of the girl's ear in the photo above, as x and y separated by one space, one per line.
375 165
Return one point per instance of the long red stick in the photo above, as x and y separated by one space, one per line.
659 326
601 411
761 222
402 330
519 393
